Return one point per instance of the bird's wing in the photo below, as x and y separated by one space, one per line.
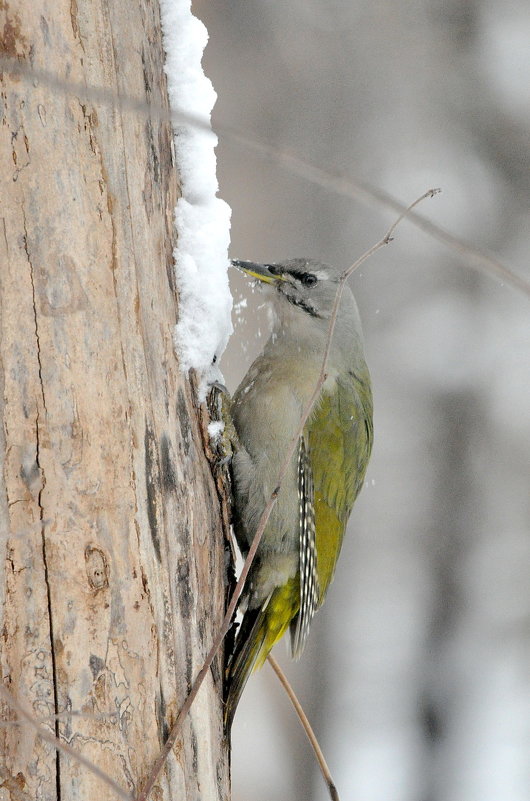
309 591
339 436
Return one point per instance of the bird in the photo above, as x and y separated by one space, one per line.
296 558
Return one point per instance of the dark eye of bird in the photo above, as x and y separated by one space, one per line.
274 269
309 279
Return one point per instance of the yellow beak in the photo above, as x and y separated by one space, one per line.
259 271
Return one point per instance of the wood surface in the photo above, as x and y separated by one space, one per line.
111 563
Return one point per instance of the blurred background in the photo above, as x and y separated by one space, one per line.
417 673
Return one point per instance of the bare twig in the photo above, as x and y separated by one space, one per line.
323 765
477 258
62 716
24 713
293 444
103 95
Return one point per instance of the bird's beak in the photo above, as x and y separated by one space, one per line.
259 271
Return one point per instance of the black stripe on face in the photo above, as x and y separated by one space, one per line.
305 305
302 304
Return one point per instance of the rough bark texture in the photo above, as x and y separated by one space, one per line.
111 577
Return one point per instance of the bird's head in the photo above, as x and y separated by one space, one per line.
305 285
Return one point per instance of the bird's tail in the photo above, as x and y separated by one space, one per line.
260 629
249 642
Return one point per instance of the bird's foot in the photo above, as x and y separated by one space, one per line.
224 441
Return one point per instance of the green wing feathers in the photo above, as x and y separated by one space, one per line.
339 436
332 462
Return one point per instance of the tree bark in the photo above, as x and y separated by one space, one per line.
111 573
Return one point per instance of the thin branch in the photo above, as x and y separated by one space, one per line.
104 96
24 713
49 719
478 259
293 444
323 765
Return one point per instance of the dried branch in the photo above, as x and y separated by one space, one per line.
478 259
102 95
50 719
323 765
293 444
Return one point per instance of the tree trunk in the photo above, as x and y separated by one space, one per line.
111 572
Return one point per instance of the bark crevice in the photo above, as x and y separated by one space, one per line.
39 500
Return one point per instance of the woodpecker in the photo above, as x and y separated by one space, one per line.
296 557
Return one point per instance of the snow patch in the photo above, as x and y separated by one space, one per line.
215 429
202 219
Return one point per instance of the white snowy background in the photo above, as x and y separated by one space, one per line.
417 674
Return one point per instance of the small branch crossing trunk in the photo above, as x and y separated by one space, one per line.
111 563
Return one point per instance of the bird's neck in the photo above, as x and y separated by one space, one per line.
297 336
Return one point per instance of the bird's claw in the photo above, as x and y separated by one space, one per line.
227 442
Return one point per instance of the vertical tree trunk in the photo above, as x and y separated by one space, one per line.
111 571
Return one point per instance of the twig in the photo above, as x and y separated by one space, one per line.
481 260
61 716
293 444
24 713
323 765
103 95
478 259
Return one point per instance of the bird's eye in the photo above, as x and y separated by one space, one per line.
309 279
